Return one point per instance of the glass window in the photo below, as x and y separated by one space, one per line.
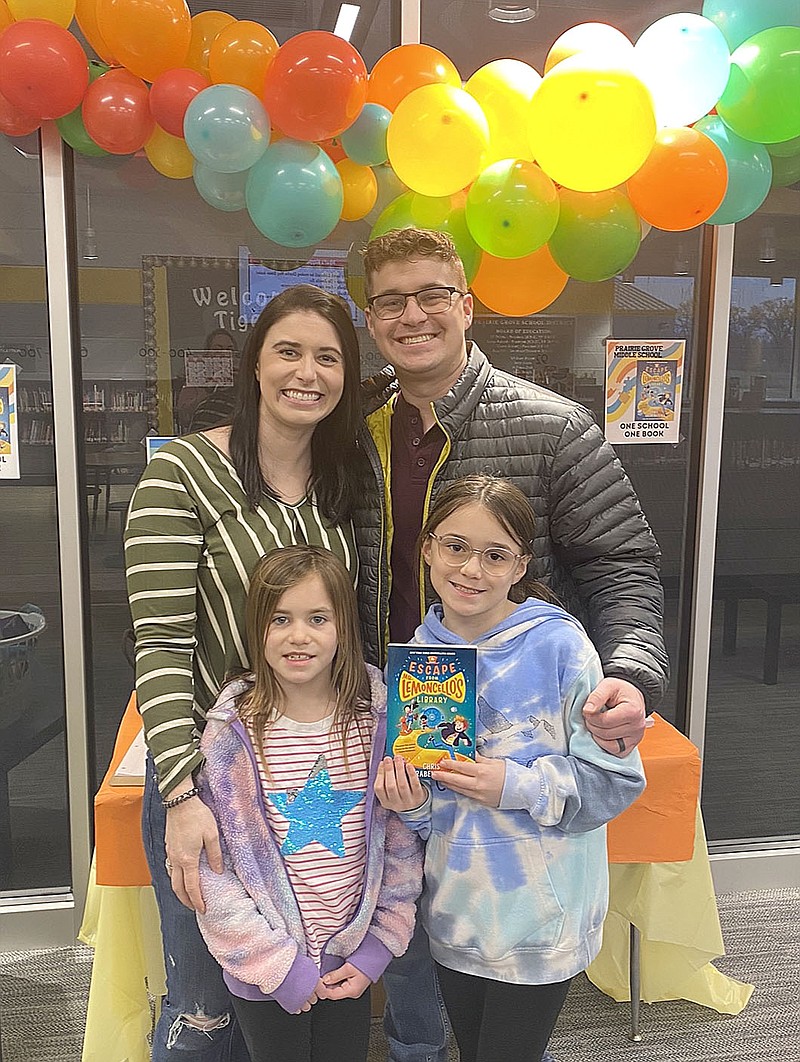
169 286
34 826
754 680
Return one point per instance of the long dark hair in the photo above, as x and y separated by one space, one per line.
333 444
277 572
508 505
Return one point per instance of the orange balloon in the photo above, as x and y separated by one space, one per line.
86 17
206 27
682 182
241 55
360 188
146 37
406 68
516 287
6 17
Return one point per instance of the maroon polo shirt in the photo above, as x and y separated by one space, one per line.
414 457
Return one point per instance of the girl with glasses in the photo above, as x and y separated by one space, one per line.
516 879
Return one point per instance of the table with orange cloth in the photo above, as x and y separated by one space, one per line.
660 883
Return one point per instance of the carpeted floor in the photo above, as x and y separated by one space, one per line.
43 1000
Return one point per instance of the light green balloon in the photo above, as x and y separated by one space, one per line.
785 149
761 101
512 208
440 214
597 235
785 171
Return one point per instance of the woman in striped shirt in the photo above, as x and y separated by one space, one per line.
320 881
207 508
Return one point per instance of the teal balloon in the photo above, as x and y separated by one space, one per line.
785 149
785 171
749 172
512 208
294 194
761 101
71 127
741 19
597 235
438 213
365 141
223 191
226 128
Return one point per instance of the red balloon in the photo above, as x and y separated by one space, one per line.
13 122
171 94
315 86
43 70
116 112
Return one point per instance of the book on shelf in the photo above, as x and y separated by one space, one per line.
431 704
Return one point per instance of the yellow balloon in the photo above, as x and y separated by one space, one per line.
169 155
59 11
437 140
591 123
595 37
360 189
504 89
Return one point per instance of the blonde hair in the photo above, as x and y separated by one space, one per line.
276 573
399 245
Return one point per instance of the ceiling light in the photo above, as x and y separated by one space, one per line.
681 264
346 20
89 235
501 12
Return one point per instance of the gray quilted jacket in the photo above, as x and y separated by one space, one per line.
594 548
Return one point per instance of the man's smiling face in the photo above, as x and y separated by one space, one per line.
423 348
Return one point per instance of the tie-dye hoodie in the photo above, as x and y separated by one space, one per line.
519 893
252 923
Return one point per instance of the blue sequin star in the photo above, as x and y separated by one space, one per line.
315 813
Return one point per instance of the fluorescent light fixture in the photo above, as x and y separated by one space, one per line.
346 20
766 250
501 12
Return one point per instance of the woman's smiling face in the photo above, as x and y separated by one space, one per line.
300 371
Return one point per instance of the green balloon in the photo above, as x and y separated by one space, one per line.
761 101
597 235
512 208
441 214
785 149
785 171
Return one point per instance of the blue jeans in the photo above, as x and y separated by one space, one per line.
415 1021
197 1022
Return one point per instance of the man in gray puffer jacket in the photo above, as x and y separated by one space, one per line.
440 412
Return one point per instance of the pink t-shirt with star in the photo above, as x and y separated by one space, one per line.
316 810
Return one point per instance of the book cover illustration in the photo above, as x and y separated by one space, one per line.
431 704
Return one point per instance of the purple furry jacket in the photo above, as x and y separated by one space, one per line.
252 924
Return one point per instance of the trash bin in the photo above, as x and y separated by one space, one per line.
19 632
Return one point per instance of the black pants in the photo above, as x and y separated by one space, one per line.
334 1030
494 1021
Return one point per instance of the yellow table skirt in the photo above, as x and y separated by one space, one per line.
674 907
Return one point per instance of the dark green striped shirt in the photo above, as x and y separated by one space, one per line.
191 542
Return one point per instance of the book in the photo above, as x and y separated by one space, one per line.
130 770
431 704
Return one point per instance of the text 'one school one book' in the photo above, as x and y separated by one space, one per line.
430 713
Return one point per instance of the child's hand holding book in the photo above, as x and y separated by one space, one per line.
397 785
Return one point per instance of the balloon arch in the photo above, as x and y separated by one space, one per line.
536 177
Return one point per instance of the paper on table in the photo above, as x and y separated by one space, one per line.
131 767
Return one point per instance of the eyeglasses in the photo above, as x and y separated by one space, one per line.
430 300
455 552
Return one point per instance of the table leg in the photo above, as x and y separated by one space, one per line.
772 640
635 982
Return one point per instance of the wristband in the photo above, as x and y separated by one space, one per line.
173 803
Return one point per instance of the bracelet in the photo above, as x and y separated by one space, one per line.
173 803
